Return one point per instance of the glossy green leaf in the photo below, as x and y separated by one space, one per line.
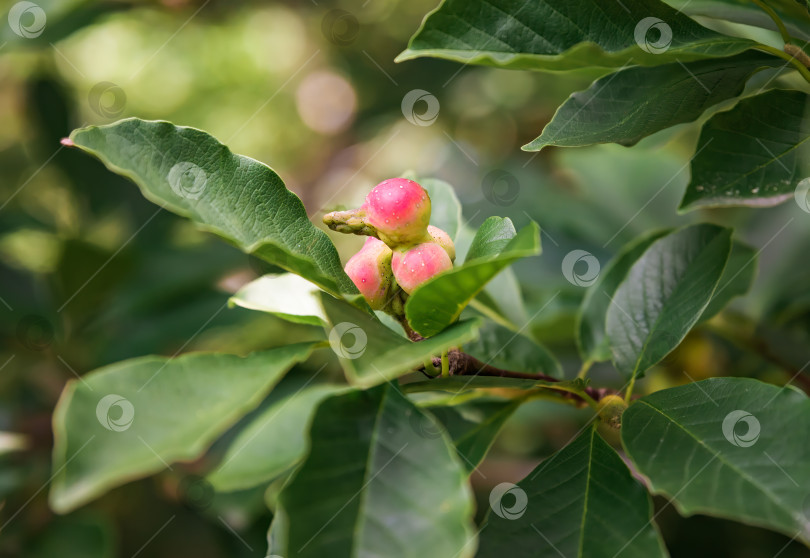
274 440
131 419
565 34
501 300
582 502
506 349
631 104
373 484
371 353
439 302
664 294
792 12
731 447
752 155
491 238
288 296
591 337
738 276
190 173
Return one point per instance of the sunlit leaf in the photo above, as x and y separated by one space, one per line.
565 34
192 174
287 296
274 440
134 418
371 353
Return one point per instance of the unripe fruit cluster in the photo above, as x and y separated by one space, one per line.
409 250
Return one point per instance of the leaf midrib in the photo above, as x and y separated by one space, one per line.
719 456
587 493
655 325
471 54
762 167
372 453
658 93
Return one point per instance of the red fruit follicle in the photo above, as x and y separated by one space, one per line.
443 239
370 270
399 209
415 265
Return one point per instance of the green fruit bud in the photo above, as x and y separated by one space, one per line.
610 409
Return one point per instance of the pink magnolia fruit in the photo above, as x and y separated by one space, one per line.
413 266
400 211
443 239
370 270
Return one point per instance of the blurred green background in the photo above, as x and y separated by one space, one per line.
92 273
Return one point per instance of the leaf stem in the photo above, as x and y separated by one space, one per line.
802 69
583 371
629 393
776 19
462 364
430 369
445 365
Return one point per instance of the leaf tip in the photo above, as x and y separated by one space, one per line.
59 502
405 55
534 146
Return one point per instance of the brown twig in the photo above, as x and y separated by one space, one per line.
462 364
466 365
